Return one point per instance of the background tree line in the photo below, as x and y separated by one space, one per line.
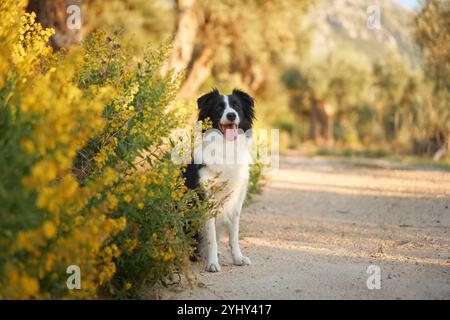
341 98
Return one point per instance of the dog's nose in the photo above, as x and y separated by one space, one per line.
231 116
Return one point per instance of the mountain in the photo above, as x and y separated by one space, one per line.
344 24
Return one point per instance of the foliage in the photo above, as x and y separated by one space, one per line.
248 52
256 181
433 36
384 105
433 114
45 119
358 94
85 173
141 22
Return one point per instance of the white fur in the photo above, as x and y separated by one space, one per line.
235 177
228 109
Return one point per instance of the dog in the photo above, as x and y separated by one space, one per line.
232 117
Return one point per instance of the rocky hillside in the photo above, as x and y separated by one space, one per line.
343 23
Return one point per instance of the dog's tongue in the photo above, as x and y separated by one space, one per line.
231 132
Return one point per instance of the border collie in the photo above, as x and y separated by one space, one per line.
231 116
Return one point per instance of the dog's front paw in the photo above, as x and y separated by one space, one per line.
213 267
242 261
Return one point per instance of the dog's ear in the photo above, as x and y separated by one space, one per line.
246 99
203 100
248 104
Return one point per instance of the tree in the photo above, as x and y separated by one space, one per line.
53 14
391 79
238 41
306 103
433 36
233 38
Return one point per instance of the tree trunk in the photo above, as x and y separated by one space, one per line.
183 55
185 35
330 131
321 123
200 71
315 123
53 14
329 111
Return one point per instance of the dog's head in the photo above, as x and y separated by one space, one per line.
228 113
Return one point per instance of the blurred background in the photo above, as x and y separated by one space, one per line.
337 77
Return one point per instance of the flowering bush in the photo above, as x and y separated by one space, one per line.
85 170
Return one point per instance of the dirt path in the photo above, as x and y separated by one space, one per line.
317 227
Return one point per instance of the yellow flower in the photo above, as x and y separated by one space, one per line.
168 255
207 124
112 201
23 241
131 244
49 229
115 251
29 285
110 176
121 223
79 220
127 198
27 145
128 286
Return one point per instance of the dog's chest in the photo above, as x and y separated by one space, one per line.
229 165
234 180
234 176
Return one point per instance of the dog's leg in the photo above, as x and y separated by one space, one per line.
220 230
238 258
212 260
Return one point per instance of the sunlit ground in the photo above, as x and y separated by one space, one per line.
319 224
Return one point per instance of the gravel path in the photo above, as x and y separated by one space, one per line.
319 225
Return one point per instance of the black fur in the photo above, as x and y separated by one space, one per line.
211 105
192 179
247 104
192 176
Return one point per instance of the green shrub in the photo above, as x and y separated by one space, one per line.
85 173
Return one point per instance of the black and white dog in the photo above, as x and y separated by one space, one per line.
231 116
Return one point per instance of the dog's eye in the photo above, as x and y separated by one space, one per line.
235 104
